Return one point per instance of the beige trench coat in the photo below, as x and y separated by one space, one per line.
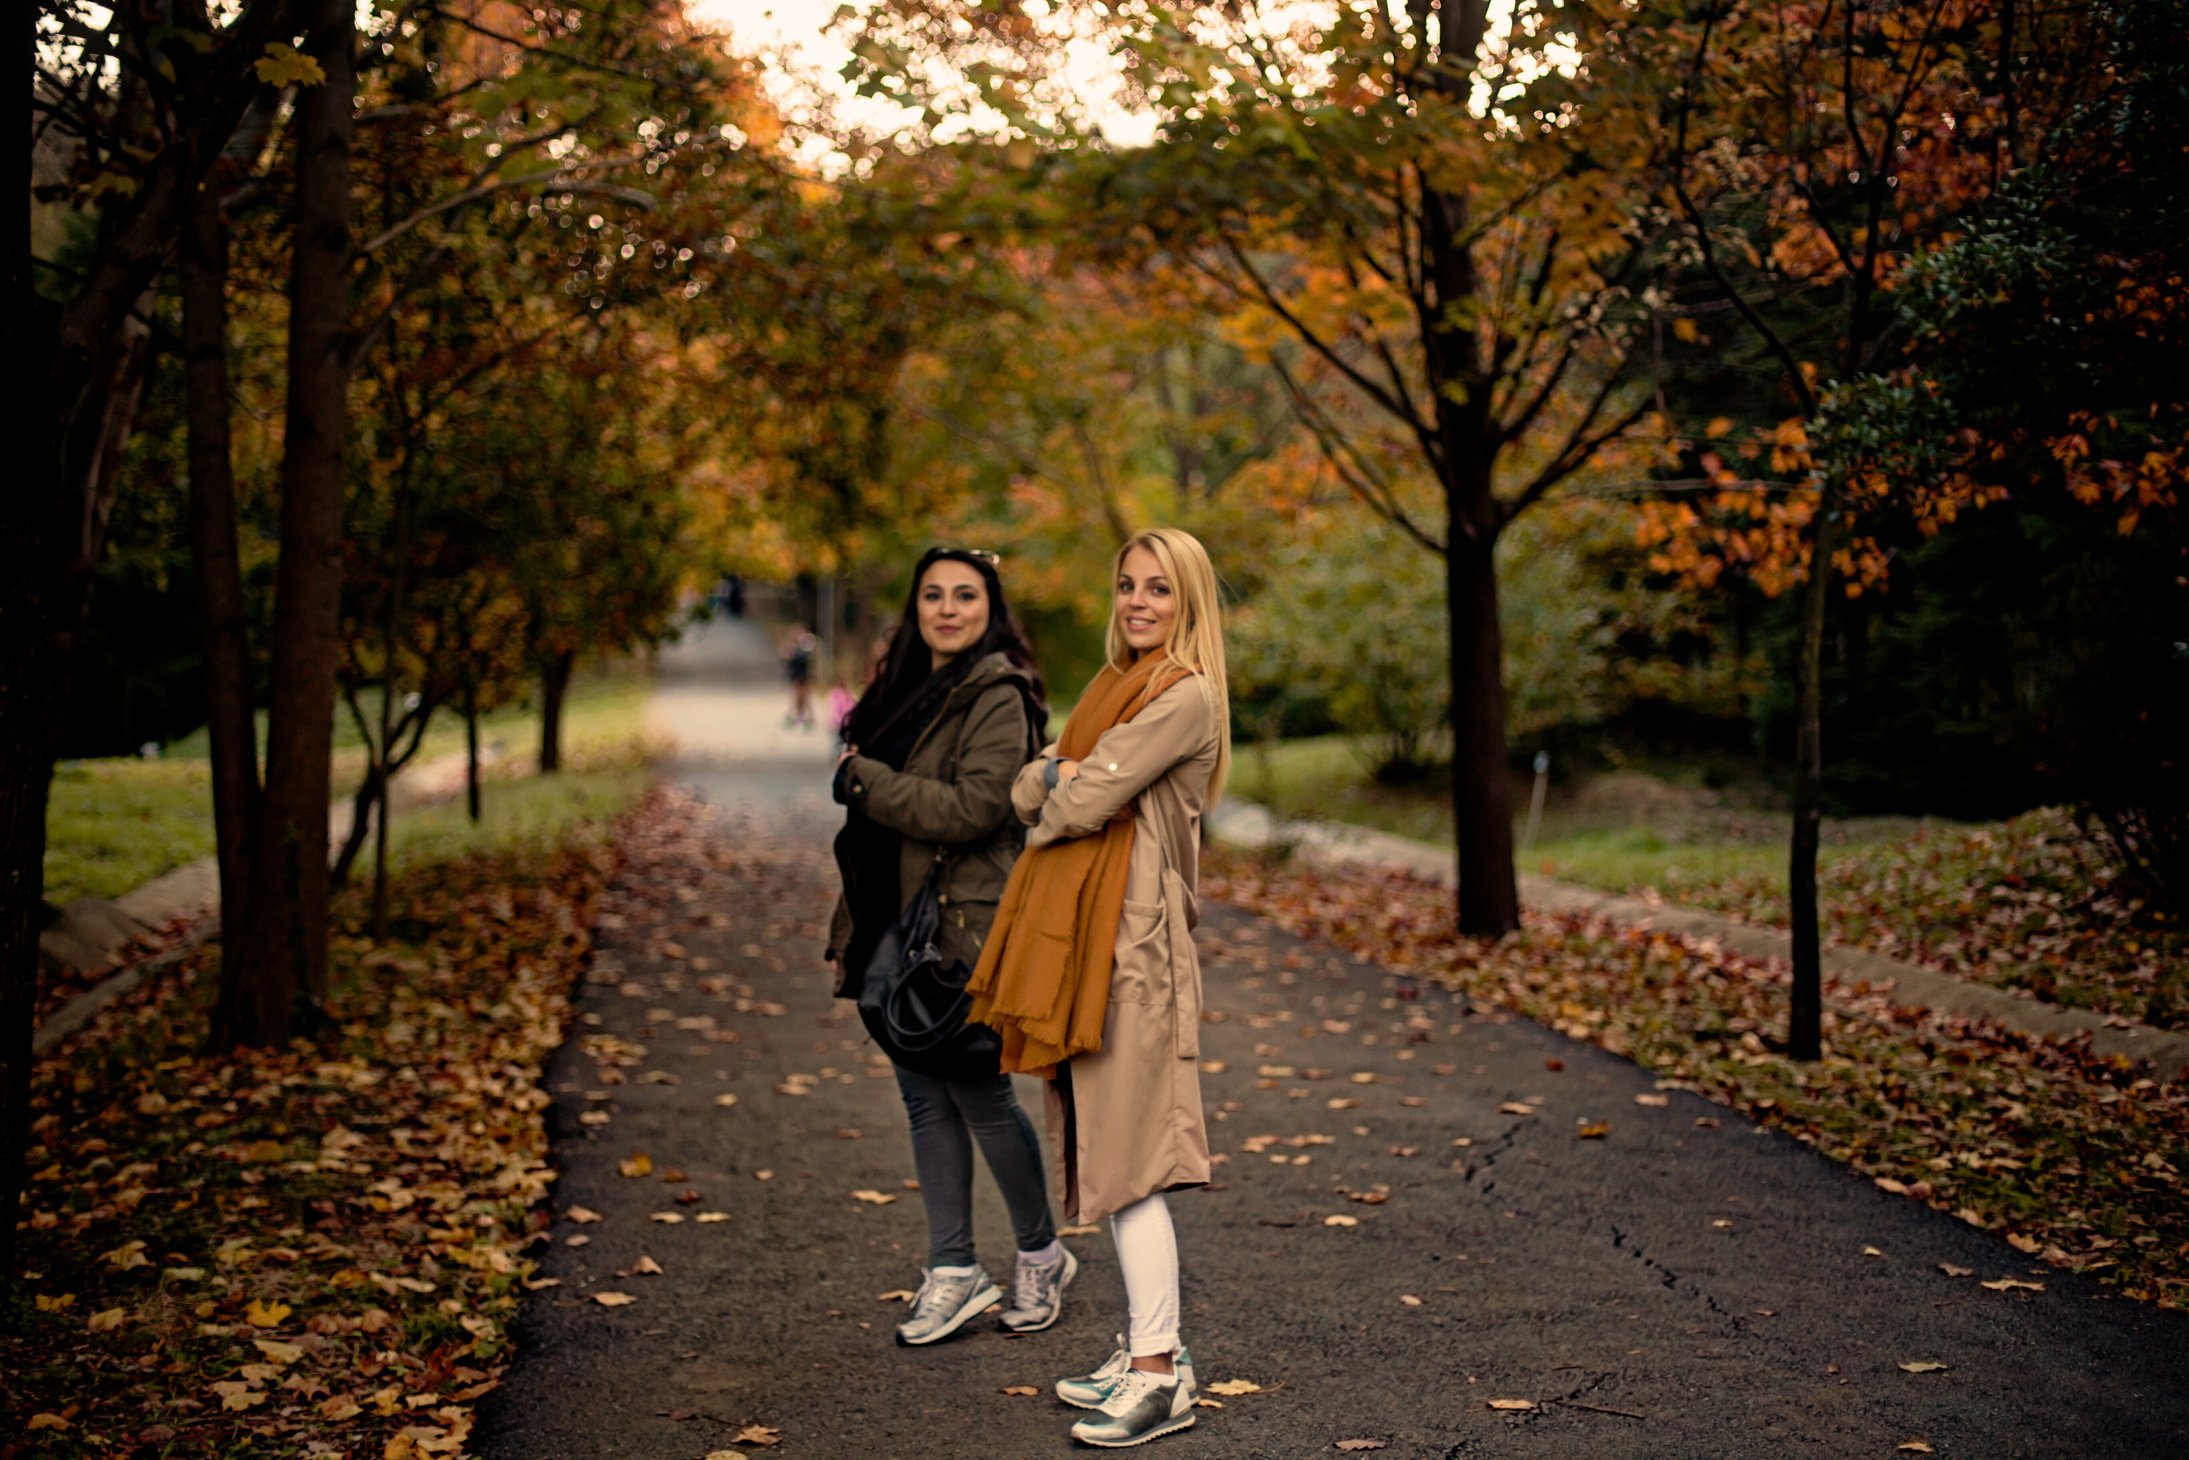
1125 1122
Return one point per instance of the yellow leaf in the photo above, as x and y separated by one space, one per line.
1208 1404
762 1435
646 1264
1512 1404
54 1303
726 1098
613 1300
48 1421
279 1352
285 65
262 1314
582 1214
340 1407
725 1455
1235 1387
1719 426
1594 1130
1923 1366
1514 1107
1339 1219
873 1198
1020 1389
105 1322
1915 1447
705 1217
640 1164
1652 1098
896 1295
235 1394
1410 1300
2008 1285
1685 331
128 1255
667 1219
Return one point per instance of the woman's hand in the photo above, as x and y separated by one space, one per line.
1066 770
848 752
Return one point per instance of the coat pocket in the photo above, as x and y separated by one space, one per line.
1141 974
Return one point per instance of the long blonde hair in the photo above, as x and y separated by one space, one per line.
1196 642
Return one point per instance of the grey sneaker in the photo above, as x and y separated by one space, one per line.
1141 1407
945 1302
1037 1293
1087 1391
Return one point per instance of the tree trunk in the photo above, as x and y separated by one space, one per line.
1805 1018
285 945
554 683
1482 810
367 807
471 745
218 564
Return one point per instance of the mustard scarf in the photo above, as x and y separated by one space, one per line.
1043 980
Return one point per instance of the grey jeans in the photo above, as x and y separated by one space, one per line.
947 1117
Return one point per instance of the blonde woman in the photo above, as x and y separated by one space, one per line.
1090 972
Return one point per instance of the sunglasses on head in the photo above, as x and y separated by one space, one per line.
990 558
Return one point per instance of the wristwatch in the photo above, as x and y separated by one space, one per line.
1049 772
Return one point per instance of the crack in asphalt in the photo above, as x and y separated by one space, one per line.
1672 1281
1498 1146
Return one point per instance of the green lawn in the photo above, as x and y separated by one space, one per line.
116 824
2028 903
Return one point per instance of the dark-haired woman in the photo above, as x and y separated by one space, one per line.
932 749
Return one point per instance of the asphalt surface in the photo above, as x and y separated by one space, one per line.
1685 1286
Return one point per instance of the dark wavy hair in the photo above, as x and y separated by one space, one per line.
909 666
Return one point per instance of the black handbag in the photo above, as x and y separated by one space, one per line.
914 1006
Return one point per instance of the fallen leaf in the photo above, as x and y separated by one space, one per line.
237 1395
593 1117
277 1351
48 1421
1594 1130
105 1322
1364 1077
1514 1107
582 1214
725 1455
1512 1404
896 1295
640 1164
873 1198
646 1264
1950 1270
1361 1444
1020 1389
577 1241
1410 1300
763 1174
726 1098
1341 1103
1869 1251
705 1217
1339 1219
1086 1231
339 1407
761 1435
2010 1284
1235 1387
1652 1098
1208 1404
613 1299
127 1256
667 1219
262 1314
1922 1366
1915 1447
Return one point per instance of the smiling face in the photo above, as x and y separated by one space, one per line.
1146 604
953 609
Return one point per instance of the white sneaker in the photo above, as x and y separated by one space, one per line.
945 1301
1037 1293
1143 1406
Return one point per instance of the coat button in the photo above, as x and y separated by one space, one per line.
942 899
1113 765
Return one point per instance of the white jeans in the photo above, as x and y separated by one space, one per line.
1147 1253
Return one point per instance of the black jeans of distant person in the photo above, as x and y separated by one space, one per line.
947 1117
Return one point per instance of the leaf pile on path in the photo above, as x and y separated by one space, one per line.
315 1250
2033 903
2073 1159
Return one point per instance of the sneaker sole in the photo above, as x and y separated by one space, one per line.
1071 1270
978 1303
1170 1427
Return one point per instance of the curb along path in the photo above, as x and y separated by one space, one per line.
2167 1051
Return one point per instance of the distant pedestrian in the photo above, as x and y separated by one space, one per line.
931 750
799 649
1090 973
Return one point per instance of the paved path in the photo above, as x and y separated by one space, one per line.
1689 1287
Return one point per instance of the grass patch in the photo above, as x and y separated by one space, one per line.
315 1249
2028 904
518 818
113 825
2077 1161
